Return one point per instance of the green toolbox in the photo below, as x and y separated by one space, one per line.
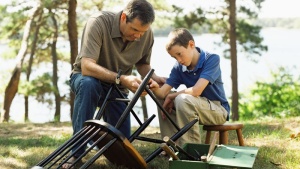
223 156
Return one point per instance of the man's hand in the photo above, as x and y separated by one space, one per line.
131 82
160 80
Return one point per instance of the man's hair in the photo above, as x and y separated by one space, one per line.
140 9
179 36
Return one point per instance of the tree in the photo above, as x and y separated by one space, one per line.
237 33
54 69
233 57
46 38
12 87
73 39
30 62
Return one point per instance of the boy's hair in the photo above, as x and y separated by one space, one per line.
179 36
140 9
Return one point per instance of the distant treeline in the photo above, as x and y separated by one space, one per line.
289 23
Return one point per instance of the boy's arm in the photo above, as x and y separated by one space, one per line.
160 92
196 90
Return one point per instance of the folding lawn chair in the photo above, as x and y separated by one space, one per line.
111 142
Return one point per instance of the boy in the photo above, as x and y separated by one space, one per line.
204 98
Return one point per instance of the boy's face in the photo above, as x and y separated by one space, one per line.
183 55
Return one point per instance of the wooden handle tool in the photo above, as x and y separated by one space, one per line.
167 149
212 145
178 148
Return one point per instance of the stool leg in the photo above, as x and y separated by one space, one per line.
207 138
240 137
223 139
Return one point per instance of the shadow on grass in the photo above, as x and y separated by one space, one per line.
22 152
273 141
43 141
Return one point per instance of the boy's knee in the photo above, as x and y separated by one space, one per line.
182 100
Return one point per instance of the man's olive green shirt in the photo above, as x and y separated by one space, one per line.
102 41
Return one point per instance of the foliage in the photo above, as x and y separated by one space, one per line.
279 97
249 41
189 20
215 20
40 87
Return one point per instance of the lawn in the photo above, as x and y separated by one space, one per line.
24 145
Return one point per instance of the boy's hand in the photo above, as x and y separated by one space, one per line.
168 106
153 84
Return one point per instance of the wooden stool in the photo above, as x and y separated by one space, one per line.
223 132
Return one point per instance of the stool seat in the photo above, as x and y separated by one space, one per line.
223 127
223 132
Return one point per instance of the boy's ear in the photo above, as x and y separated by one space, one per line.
191 43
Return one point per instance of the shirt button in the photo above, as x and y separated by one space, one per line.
195 74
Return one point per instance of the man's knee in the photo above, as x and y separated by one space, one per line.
89 82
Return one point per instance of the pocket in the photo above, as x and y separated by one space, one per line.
212 105
205 103
72 81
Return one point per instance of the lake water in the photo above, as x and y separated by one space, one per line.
283 51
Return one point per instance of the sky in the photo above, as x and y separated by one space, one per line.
279 8
270 8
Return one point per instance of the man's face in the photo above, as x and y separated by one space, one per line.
133 30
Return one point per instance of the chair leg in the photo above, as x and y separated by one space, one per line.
223 138
240 137
207 138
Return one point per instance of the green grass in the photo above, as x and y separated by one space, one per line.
24 145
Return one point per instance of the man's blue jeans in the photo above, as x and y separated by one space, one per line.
90 93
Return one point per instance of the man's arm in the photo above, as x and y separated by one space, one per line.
91 68
143 69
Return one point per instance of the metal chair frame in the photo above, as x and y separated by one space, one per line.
109 139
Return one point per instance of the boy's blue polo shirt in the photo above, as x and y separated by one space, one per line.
208 67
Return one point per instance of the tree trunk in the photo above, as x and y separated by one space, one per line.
12 87
233 54
144 107
32 52
26 102
73 38
55 76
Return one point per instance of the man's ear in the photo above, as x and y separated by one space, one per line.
123 17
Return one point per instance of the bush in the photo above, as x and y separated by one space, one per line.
278 98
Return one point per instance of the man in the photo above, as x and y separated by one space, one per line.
110 42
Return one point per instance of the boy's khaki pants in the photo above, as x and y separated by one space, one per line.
188 108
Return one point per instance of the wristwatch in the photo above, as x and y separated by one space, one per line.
117 80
